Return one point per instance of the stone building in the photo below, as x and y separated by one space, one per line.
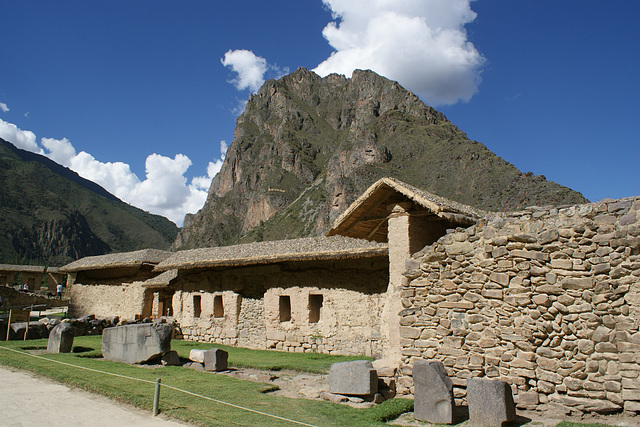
111 285
547 299
407 219
314 294
31 275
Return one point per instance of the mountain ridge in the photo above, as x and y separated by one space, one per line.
50 215
306 146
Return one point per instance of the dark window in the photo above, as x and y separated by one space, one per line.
285 308
197 305
218 308
315 307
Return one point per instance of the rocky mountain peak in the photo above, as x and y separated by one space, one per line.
306 146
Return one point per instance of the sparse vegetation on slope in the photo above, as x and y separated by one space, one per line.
306 147
50 215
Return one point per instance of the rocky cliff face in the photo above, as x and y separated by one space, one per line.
307 146
68 235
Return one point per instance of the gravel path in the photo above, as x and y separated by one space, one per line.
28 400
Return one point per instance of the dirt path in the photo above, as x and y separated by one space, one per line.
27 400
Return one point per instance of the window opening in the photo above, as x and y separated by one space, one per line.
285 308
197 305
315 307
218 308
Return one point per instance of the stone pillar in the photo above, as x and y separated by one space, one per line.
52 283
155 305
399 251
409 231
71 279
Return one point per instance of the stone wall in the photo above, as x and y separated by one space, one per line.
124 300
14 298
546 299
276 306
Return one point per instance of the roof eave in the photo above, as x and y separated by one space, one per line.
262 260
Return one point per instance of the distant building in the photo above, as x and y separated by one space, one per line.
32 276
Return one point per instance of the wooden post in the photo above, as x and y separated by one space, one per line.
156 398
18 316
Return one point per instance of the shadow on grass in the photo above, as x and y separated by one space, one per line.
520 420
33 348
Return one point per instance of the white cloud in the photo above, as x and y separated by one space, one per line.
164 191
116 177
250 72
24 139
165 187
3 107
60 150
420 43
250 68
204 182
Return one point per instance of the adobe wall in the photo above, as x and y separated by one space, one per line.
124 300
546 299
110 292
352 294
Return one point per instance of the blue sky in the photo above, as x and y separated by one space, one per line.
137 97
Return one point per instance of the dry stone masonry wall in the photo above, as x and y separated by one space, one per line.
322 306
547 299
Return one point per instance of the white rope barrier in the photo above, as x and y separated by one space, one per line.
164 385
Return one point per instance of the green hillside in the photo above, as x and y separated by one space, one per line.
50 215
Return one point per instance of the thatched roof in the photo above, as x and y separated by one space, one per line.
162 280
14 268
367 217
119 260
307 249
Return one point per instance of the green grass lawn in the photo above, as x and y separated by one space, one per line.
268 359
194 409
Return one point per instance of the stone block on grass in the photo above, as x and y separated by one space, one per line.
490 402
433 393
357 378
171 359
196 355
215 360
36 330
137 343
61 338
196 366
